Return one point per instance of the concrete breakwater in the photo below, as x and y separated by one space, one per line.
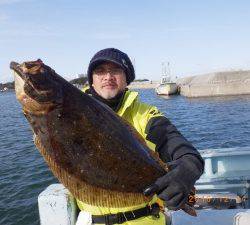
134 85
144 85
215 84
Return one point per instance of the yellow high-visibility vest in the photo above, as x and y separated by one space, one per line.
137 114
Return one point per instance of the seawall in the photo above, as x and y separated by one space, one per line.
215 84
144 85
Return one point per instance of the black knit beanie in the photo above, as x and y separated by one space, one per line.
112 55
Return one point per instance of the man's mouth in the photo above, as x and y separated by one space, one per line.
109 85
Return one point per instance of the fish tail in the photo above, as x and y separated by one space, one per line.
189 210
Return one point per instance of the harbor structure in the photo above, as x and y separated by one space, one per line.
216 84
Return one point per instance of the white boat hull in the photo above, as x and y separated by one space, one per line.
167 89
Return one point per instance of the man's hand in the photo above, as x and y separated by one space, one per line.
175 186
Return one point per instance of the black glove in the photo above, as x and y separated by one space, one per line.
175 186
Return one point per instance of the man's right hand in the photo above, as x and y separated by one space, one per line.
175 186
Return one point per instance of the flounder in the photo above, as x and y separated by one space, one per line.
100 158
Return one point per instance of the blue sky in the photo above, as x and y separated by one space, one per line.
193 36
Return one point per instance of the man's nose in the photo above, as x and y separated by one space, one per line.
108 75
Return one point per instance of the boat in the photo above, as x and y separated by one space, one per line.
222 196
4 89
167 85
168 88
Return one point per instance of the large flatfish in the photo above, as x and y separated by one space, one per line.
100 158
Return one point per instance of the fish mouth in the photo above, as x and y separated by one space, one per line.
36 86
26 68
20 81
16 67
32 76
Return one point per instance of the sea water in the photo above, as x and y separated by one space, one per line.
218 122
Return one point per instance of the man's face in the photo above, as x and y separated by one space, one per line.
108 80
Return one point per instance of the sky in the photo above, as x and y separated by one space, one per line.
194 37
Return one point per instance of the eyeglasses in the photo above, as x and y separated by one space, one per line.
112 72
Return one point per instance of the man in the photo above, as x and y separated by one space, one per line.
109 73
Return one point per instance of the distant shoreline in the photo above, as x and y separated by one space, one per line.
144 85
6 86
133 85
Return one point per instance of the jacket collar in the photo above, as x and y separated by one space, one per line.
129 98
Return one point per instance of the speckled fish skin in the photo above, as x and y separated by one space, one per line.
81 135
100 158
